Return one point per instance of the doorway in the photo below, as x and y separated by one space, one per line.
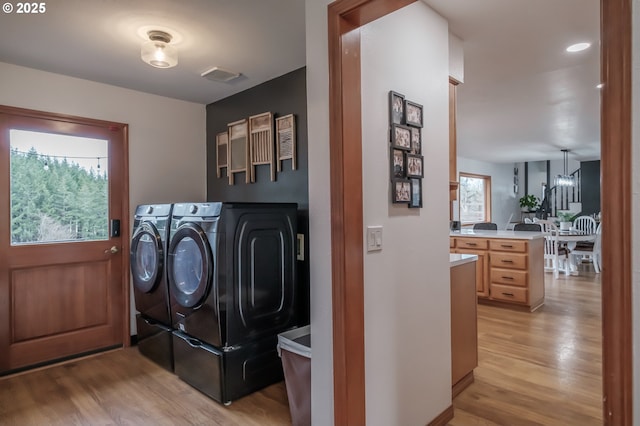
344 18
63 237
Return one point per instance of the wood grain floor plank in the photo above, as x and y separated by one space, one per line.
539 368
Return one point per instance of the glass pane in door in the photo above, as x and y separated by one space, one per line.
59 188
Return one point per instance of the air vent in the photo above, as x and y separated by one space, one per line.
219 74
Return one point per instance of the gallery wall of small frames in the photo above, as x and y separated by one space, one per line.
251 142
405 152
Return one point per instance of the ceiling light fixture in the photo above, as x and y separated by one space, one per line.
157 52
578 47
565 179
600 86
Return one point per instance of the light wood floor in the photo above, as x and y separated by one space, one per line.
534 368
540 368
122 387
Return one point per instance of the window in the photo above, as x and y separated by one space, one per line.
475 198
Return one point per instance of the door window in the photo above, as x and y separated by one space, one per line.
145 263
188 270
59 188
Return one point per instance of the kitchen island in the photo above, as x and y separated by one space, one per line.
510 266
464 321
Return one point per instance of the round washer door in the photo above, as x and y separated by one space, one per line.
189 265
146 258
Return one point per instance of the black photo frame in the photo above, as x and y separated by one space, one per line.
401 137
416 194
412 114
400 191
416 140
414 166
396 108
398 164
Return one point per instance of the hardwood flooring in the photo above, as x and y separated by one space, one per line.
122 387
540 368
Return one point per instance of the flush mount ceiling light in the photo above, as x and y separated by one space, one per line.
600 86
578 47
157 52
565 179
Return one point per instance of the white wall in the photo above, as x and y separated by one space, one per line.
167 143
407 309
319 212
504 202
635 105
456 57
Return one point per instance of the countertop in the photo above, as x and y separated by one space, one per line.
519 235
456 259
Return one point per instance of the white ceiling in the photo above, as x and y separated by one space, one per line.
524 98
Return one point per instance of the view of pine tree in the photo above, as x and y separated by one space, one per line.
54 200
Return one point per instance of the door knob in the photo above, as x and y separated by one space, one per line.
112 250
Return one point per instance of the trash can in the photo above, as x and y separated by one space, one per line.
294 348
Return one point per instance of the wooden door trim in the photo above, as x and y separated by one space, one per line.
347 222
617 353
123 192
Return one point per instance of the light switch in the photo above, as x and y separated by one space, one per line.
374 238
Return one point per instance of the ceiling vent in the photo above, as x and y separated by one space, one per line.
219 74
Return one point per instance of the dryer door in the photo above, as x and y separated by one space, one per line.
189 265
146 257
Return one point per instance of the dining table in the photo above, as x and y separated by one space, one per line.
570 238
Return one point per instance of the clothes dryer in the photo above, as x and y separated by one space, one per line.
148 269
232 285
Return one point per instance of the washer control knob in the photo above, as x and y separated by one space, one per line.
193 209
149 209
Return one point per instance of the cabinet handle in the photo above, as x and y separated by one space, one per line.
506 261
507 246
507 278
472 244
507 294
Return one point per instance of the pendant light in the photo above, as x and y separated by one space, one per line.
157 52
565 179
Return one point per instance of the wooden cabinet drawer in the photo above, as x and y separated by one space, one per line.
508 260
508 293
509 277
508 245
472 243
452 242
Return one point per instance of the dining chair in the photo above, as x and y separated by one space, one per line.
585 224
527 227
546 225
556 256
488 226
594 254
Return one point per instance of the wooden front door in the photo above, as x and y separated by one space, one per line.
63 237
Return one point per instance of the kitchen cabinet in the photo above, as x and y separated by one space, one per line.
510 269
464 324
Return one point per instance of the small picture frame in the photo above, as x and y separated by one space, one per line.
416 140
413 164
401 191
416 194
401 137
396 108
412 114
398 164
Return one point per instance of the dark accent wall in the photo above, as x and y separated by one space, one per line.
283 95
590 181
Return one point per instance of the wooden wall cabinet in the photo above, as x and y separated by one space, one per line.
453 154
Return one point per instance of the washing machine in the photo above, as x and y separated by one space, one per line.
151 293
232 283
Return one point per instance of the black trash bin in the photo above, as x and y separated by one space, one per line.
294 348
